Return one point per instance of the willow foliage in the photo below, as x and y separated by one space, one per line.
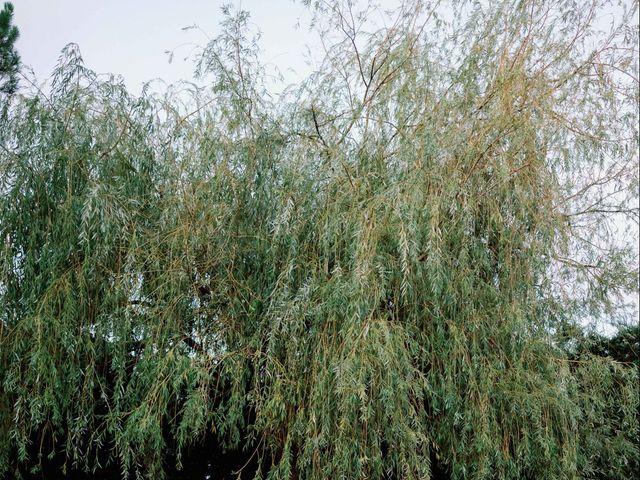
368 276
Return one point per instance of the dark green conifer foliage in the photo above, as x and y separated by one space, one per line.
623 347
369 273
9 58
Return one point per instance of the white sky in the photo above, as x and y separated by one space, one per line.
130 37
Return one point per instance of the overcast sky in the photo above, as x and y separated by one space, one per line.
131 37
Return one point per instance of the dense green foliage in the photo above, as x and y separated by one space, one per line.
623 347
9 58
370 273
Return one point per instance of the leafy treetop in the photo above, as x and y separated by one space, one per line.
9 58
369 276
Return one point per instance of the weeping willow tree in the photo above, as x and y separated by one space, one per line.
372 275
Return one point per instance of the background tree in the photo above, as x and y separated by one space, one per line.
9 58
367 277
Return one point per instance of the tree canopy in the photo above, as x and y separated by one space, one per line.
9 58
371 275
